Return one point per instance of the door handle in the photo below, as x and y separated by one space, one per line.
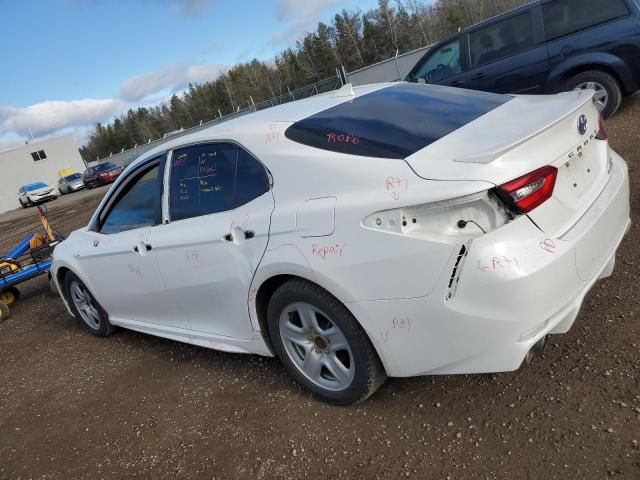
147 248
457 83
566 51
247 235
478 76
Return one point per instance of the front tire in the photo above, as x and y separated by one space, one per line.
322 345
85 307
608 96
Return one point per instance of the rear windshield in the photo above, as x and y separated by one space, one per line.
72 177
394 122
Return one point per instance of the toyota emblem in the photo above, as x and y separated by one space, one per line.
583 124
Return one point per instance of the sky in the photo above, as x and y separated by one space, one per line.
68 64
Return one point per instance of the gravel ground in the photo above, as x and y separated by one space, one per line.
76 406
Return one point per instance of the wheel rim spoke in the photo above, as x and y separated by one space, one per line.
297 336
313 364
307 317
338 370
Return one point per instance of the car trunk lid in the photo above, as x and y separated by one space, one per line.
521 136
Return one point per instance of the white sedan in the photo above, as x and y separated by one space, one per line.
34 193
387 230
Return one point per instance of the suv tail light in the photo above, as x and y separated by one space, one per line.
530 190
602 132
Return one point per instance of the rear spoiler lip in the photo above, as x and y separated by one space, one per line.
490 156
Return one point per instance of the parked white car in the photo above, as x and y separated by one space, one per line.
387 230
34 193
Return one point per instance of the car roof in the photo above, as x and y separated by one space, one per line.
247 124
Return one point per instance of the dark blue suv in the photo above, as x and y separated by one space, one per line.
547 46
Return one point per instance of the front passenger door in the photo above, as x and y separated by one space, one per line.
117 261
444 66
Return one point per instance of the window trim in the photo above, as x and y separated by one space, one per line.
121 188
166 203
574 32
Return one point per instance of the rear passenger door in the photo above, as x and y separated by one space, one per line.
443 66
575 27
509 56
217 217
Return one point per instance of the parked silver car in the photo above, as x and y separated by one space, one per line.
71 183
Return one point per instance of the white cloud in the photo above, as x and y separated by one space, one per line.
79 116
190 8
302 17
173 77
47 117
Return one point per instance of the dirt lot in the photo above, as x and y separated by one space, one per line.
75 406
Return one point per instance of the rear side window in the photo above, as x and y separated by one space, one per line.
138 205
252 181
562 17
443 63
501 40
395 121
202 180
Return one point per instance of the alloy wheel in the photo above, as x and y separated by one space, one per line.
316 346
84 304
600 98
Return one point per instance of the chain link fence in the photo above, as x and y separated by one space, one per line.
125 157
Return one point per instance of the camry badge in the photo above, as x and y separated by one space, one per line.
583 124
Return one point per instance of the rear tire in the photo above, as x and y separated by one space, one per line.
85 307
609 94
322 345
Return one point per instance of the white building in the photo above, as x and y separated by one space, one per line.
37 161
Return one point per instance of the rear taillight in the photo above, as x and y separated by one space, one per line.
531 190
602 132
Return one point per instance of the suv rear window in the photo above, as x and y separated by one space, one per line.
393 122
562 17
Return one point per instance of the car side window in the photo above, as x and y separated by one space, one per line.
443 63
138 205
252 179
501 40
562 17
202 180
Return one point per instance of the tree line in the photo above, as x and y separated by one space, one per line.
353 39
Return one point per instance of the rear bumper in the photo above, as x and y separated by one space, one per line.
515 287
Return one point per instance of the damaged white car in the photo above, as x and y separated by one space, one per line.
387 230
